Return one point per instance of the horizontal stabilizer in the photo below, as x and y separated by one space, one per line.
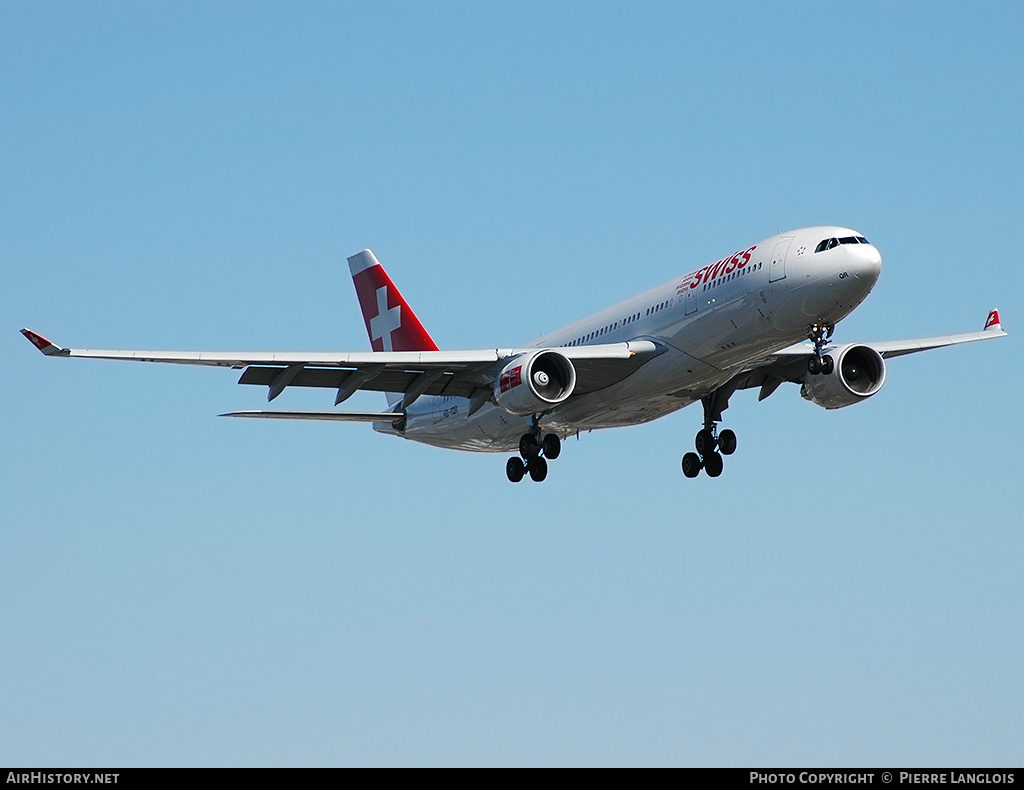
346 416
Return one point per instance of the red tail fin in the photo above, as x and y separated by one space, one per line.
390 322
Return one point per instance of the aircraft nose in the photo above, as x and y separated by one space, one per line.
865 263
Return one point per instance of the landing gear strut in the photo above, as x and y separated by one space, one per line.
531 447
710 443
819 335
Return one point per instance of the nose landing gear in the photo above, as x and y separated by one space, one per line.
531 446
819 335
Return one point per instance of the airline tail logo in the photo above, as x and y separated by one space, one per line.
386 321
390 322
993 320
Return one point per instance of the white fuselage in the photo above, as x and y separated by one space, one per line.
710 324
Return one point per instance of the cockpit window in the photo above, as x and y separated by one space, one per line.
828 244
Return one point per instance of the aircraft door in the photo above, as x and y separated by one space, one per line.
691 301
777 271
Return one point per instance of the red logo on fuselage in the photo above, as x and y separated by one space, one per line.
717 269
511 378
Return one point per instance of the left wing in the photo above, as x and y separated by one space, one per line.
789 364
897 348
469 374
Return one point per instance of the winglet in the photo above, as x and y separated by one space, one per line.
992 324
44 345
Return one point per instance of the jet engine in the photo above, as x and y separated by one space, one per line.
859 373
534 382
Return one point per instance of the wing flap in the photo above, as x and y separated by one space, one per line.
594 374
334 378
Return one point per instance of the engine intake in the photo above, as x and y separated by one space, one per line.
859 373
531 383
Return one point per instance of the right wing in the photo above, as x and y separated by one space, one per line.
468 374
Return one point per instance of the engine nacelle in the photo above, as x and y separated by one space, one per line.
531 383
859 373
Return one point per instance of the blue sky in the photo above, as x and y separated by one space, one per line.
185 590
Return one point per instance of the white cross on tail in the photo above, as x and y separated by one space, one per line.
386 321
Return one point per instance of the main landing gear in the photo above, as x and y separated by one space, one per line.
816 363
532 462
711 444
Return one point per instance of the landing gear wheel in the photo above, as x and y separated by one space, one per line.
515 469
529 447
552 446
705 442
819 334
538 469
712 443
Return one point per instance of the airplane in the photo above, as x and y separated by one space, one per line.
759 317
